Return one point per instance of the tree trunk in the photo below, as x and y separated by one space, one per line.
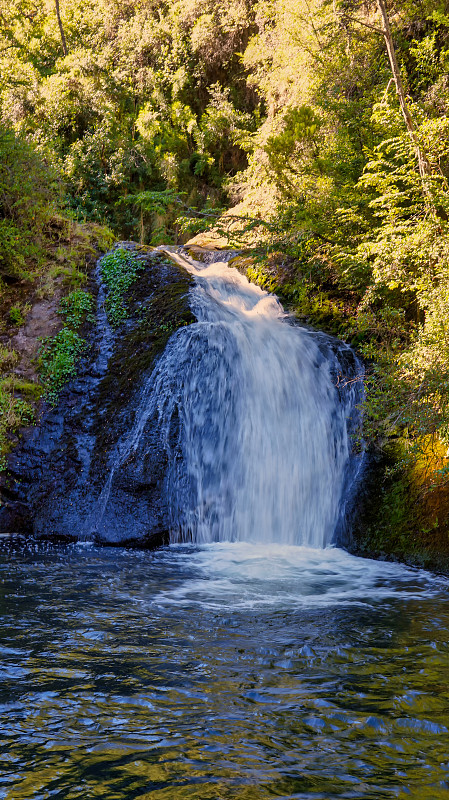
423 164
61 29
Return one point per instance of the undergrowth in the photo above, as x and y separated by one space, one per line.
14 413
16 400
58 360
60 354
76 308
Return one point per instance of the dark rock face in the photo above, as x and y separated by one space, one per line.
60 474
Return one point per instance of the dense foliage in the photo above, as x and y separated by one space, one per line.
155 116
147 95
29 191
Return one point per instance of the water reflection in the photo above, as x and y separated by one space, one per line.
221 672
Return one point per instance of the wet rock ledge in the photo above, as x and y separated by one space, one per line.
52 487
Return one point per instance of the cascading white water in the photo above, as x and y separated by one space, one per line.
254 428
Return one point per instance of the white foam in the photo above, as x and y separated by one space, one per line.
231 576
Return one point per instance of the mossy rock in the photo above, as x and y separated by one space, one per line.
399 519
156 309
53 487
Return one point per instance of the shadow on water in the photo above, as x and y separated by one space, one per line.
221 671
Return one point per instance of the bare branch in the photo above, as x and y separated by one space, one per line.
365 24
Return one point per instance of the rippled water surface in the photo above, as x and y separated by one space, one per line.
226 671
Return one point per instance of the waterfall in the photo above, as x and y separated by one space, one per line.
252 417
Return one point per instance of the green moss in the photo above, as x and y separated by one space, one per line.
8 358
28 388
165 312
67 250
14 413
392 531
400 520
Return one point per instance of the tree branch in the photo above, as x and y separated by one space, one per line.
61 29
365 24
